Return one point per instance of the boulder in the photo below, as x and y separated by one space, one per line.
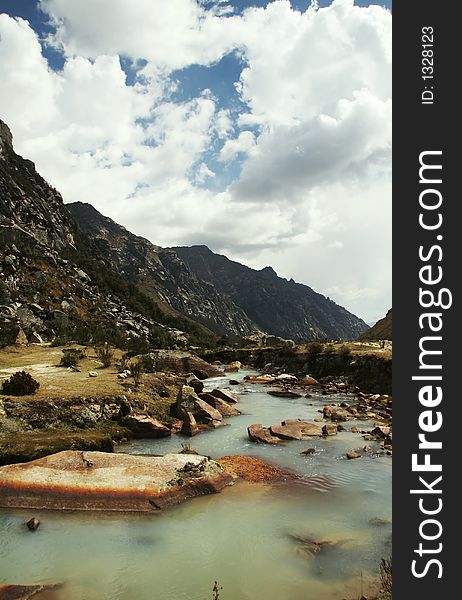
339 414
329 429
225 395
16 591
33 524
189 425
258 433
223 407
287 432
307 429
307 381
195 383
73 480
205 413
143 426
230 369
259 378
35 338
92 374
381 431
309 451
284 394
233 382
353 454
285 377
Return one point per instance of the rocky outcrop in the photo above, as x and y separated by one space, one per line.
110 482
279 307
181 363
57 281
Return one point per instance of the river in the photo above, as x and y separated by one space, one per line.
242 537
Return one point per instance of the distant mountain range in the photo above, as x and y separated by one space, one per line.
66 270
277 306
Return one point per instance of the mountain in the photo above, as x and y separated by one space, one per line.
278 306
161 274
68 272
382 330
56 281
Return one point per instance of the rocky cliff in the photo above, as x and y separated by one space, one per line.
161 274
57 282
278 306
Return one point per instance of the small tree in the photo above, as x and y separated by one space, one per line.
136 371
105 354
20 384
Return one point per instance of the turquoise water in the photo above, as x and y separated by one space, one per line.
240 537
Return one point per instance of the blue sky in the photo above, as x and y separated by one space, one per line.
264 134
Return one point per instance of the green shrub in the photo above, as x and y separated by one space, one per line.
20 384
315 348
105 354
71 357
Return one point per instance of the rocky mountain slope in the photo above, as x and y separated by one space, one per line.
382 330
161 274
278 306
56 282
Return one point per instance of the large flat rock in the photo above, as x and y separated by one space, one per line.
73 480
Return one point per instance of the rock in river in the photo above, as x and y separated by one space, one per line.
225 395
143 426
73 480
284 394
24 592
258 433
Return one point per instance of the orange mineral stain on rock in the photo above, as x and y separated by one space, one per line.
114 482
253 469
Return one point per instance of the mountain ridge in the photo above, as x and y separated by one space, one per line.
278 306
66 268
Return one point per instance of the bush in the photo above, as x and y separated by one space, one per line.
20 384
315 348
136 370
105 354
71 357
344 352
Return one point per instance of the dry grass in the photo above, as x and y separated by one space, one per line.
42 362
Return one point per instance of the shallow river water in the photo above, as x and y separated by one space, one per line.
240 537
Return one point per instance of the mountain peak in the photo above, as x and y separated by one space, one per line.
6 137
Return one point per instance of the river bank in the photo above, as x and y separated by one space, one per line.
341 506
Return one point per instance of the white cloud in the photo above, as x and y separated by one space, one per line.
243 144
313 195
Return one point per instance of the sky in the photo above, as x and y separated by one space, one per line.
261 129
